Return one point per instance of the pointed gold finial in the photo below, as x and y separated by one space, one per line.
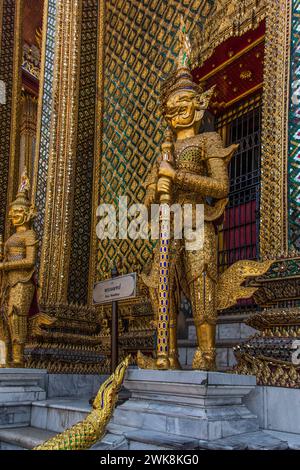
181 78
185 53
25 183
22 198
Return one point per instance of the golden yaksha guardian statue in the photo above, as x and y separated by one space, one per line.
193 170
17 286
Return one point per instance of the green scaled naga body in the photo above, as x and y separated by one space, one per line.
85 434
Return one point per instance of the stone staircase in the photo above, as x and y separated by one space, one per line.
27 418
23 438
48 418
53 416
31 413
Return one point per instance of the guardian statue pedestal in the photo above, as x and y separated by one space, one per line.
184 406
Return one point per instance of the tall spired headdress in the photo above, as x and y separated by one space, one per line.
181 78
22 198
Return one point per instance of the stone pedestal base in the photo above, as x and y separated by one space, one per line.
18 389
196 405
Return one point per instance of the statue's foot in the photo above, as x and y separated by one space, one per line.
17 356
174 363
145 362
17 365
205 360
163 363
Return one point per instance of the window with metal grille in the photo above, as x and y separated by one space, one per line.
238 237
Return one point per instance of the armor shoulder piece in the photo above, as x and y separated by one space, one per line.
215 147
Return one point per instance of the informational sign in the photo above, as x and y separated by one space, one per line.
113 290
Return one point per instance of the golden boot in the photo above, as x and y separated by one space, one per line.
205 356
18 332
18 355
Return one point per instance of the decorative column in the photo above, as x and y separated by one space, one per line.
65 149
294 134
273 226
11 28
28 133
280 169
88 119
63 187
57 223
271 355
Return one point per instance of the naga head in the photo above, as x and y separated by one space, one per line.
108 393
183 101
21 211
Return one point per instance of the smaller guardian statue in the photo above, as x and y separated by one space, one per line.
17 287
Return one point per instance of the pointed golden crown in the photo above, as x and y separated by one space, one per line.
181 78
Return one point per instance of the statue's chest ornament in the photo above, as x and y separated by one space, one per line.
15 241
15 248
190 158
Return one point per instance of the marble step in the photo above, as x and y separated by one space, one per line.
23 438
139 439
292 439
260 440
59 414
112 442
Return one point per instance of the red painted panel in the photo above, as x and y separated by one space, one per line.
33 18
237 76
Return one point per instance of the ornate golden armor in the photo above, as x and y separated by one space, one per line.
197 173
16 279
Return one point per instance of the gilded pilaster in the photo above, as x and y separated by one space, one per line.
44 116
83 182
274 192
98 143
294 135
11 28
63 177
270 354
57 222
